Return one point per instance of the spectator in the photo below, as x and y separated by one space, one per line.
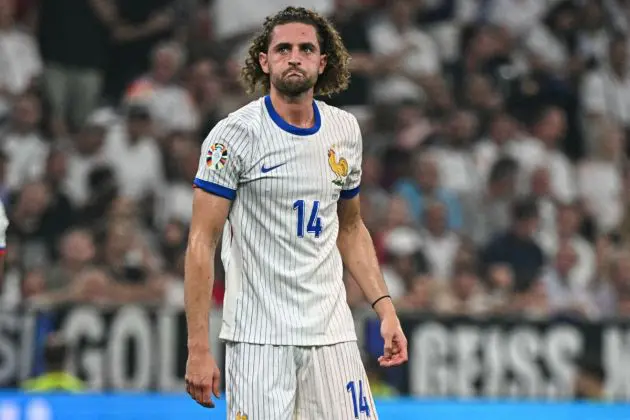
568 222
206 91
454 158
605 91
426 185
22 143
170 105
77 252
599 178
592 34
565 292
517 248
489 213
139 27
73 38
501 131
464 295
20 62
552 41
410 53
85 156
517 15
56 378
405 260
439 244
134 155
547 131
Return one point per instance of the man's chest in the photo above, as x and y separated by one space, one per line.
315 168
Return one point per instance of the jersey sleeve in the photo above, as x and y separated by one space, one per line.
222 160
353 180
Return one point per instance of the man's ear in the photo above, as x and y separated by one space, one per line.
323 60
264 63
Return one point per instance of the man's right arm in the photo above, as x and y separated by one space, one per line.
221 165
209 215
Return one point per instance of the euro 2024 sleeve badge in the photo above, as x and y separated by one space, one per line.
217 156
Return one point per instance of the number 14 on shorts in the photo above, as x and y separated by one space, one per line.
359 402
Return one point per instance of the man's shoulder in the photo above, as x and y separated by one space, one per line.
245 116
240 122
327 109
339 117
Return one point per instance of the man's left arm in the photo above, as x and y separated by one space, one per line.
359 257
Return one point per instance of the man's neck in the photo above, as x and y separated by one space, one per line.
297 111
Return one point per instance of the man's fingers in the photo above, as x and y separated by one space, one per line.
216 382
400 347
387 349
393 361
203 396
200 393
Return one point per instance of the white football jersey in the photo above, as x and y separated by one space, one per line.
284 282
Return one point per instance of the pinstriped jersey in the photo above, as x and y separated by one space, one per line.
283 269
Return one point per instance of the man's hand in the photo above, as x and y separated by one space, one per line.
395 349
202 377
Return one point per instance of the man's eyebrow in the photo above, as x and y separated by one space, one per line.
288 45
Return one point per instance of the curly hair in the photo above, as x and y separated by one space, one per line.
336 75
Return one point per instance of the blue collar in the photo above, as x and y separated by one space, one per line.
298 131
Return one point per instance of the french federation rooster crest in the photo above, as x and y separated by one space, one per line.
339 167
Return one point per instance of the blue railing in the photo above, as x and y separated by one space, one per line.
17 406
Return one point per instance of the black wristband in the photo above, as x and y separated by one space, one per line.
382 297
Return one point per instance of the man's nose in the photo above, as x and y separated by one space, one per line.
295 57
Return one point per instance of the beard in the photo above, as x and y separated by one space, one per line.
293 86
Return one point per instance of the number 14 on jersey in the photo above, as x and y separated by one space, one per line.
359 402
314 224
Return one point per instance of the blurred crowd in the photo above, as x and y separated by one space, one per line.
495 177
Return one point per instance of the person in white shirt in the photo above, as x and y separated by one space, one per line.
171 106
135 156
86 155
412 53
605 92
541 149
599 178
568 220
518 16
439 244
565 292
20 62
279 179
24 147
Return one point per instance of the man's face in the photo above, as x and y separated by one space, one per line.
294 60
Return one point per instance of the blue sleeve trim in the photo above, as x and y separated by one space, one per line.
215 189
348 194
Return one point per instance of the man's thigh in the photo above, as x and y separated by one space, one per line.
260 382
332 384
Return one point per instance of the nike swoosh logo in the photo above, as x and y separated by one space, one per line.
271 168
